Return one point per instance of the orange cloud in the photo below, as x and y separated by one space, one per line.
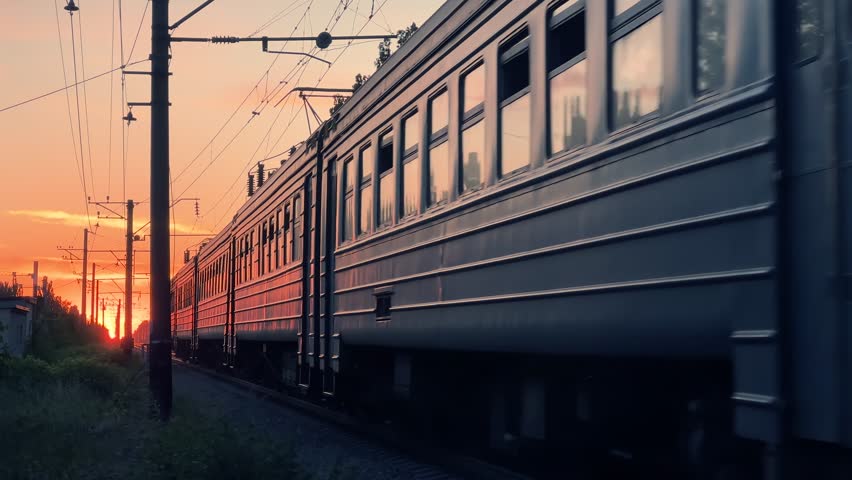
75 219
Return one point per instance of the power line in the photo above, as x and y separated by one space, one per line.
79 123
68 101
59 90
139 29
110 111
86 102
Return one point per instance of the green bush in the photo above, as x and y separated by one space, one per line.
102 378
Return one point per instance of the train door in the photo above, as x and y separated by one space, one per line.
818 223
329 346
301 237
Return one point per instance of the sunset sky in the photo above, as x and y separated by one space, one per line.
43 200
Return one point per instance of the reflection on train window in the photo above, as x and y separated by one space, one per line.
410 180
439 153
285 241
710 45
567 66
515 104
348 201
386 182
473 87
278 239
439 115
411 187
296 247
367 159
637 73
439 174
473 153
366 220
264 242
808 28
251 261
564 7
411 132
621 6
473 130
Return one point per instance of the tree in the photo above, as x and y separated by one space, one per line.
403 36
7 290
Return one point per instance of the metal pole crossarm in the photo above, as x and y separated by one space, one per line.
231 39
143 104
104 204
128 72
190 14
303 54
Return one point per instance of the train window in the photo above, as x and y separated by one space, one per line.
278 238
411 165
515 104
270 243
439 174
251 259
411 187
621 6
261 268
473 151
411 133
348 201
439 115
473 129
285 240
439 153
567 66
386 182
383 303
365 219
637 72
473 87
297 229
808 29
710 45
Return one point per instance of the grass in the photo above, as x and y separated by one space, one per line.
86 413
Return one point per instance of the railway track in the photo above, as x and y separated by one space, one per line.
372 451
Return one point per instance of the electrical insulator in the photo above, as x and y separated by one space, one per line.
260 172
250 184
197 209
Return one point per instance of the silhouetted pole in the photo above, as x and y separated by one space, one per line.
94 303
103 312
118 323
160 363
85 271
128 282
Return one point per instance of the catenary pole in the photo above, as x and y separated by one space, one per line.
128 281
93 302
85 272
160 340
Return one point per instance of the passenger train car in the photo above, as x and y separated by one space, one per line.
592 228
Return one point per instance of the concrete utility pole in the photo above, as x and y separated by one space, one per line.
35 279
160 362
97 302
160 336
85 272
118 323
103 313
128 280
94 302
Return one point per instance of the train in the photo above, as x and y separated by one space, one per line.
561 232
